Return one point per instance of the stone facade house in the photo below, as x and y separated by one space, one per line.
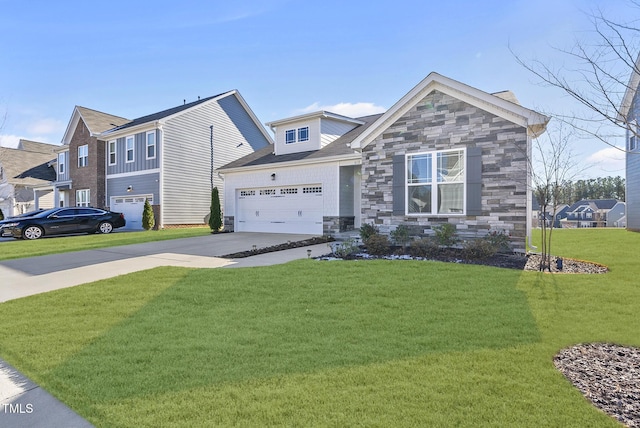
444 153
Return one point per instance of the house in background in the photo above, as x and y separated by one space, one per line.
630 116
445 152
22 170
594 213
167 158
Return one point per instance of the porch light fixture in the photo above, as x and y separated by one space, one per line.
273 176
130 188
308 254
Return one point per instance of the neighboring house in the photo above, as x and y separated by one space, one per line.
22 170
167 158
560 215
594 213
630 116
445 152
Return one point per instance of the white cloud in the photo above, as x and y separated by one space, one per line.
609 161
345 109
46 126
9 141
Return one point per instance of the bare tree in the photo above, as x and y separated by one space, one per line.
600 78
553 165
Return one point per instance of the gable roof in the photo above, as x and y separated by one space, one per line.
338 148
96 121
595 204
534 122
313 115
25 166
145 121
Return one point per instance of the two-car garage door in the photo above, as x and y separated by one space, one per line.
131 207
288 209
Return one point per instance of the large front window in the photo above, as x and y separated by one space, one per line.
436 183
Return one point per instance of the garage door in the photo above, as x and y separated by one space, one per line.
131 207
291 209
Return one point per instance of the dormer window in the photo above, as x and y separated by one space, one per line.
296 135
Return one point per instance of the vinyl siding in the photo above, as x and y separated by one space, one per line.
140 162
633 176
312 144
330 130
187 166
144 184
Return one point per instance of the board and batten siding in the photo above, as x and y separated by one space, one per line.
632 177
143 184
331 130
187 155
140 161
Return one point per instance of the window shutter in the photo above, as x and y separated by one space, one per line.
399 183
474 181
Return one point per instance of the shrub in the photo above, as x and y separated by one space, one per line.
215 217
425 247
400 235
478 249
378 245
345 249
446 234
367 231
500 240
148 219
1 215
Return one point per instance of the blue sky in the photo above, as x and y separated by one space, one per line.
132 58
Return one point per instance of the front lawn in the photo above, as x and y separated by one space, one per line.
310 343
62 244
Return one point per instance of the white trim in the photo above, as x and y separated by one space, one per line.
317 114
146 144
630 93
126 149
351 159
533 121
160 144
133 173
88 199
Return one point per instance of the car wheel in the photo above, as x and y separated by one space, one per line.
32 232
105 227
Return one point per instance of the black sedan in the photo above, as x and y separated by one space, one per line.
58 221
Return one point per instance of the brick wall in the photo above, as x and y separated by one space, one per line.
92 176
441 122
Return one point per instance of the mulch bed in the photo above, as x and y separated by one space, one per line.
280 247
607 375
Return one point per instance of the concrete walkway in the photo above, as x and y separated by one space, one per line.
25 404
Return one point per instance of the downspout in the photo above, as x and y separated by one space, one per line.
161 175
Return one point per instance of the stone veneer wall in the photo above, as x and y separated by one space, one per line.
441 122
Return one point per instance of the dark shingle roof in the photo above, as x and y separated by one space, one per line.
26 166
162 114
601 204
335 148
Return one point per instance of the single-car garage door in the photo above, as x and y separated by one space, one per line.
288 209
131 207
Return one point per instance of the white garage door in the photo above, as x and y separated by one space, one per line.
290 209
131 207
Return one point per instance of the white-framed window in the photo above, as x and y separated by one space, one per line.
290 136
151 145
83 155
130 143
633 143
83 198
303 134
113 154
436 183
61 166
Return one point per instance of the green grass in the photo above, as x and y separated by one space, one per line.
376 343
62 244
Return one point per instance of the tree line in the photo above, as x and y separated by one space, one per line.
593 188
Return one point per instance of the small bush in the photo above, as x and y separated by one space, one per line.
400 235
148 218
345 249
500 240
446 234
478 249
367 231
378 245
215 213
425 247
1 215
